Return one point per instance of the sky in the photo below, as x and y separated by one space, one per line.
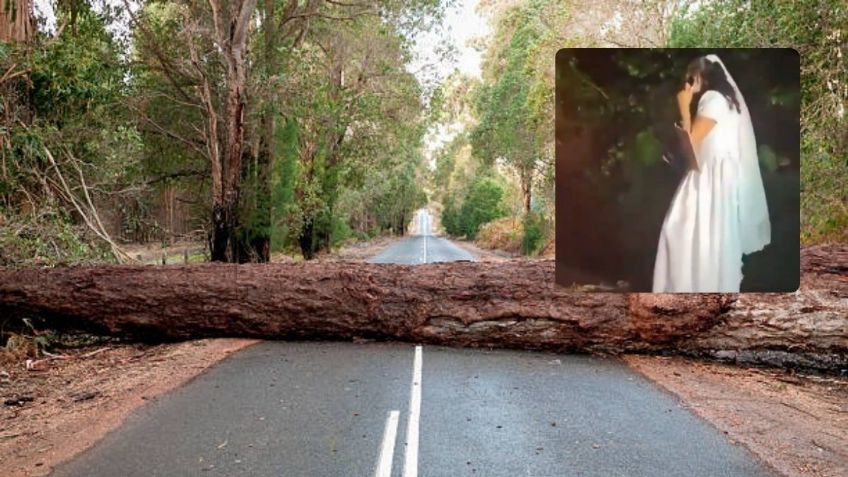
462 24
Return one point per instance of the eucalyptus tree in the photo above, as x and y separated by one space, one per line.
356 105
514 105
232 63
16 21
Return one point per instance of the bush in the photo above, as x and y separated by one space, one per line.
504 234
47 238
450 218
340 231
482 204
533 239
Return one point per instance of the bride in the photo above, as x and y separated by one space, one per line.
719 210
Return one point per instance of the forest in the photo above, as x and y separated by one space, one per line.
498 172
258 128
251 126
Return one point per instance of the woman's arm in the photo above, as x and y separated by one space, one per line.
697 129
700 128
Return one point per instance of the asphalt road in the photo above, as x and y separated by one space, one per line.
321 409
423 247
291 409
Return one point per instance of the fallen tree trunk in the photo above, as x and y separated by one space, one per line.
507 304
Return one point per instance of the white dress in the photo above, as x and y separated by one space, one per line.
700 246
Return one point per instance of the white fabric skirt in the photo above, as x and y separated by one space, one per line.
700 247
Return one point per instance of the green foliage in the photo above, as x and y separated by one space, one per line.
481 204
360 162
533 240
508 105
646 148
282 182
514 104
816 29
48 238
66 143
450 217
78 72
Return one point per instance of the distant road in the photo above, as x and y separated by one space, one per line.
423 247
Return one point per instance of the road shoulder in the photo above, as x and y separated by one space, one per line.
64 406
483 254
798 425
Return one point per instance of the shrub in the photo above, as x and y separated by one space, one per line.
501 234
534 228
482 204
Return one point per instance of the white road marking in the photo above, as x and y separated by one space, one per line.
387 450
425 249
410 465
425 231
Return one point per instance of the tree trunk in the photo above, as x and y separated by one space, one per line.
489 304
232 31
527 190
259 245
256 234
16 25
224 222
307 240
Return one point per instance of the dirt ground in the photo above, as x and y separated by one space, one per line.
64 405
796 424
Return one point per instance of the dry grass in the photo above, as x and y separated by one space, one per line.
501 234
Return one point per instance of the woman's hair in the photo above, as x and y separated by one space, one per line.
712 78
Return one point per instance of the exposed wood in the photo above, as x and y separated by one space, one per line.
498 304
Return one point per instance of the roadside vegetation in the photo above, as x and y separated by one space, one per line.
505 120
499 167
302 131
123 128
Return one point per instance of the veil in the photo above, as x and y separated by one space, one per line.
754 223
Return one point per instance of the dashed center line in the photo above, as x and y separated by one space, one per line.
387 450
425 249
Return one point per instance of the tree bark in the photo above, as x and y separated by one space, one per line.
486 304
255 235
526 189
16 21
232 33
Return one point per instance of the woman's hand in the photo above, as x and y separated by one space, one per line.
684 100
684 96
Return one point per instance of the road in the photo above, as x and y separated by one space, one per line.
423 247
292 409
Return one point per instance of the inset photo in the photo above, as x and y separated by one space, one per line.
677 170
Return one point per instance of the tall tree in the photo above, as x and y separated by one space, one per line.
16 25
238 77
515 102
231 34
